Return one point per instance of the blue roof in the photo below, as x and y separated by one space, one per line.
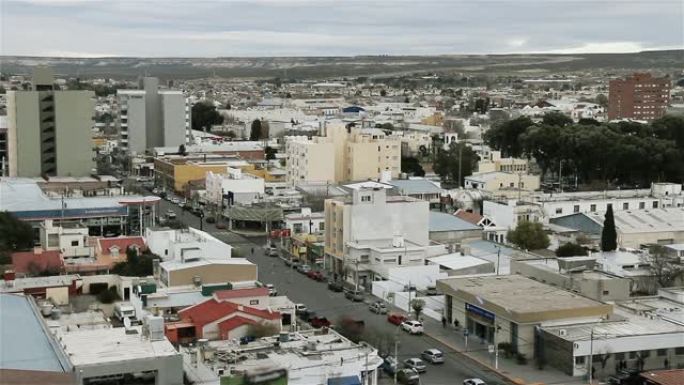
25 342
352 109
348 380
447 222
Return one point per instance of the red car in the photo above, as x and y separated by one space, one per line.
319 322
316 275
395 318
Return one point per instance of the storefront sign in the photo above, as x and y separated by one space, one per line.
480 312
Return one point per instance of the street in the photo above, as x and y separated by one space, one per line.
316 296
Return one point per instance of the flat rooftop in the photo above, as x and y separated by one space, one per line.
457 261
516 294
95 347
25 343
668 219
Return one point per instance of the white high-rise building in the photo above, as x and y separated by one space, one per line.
150 117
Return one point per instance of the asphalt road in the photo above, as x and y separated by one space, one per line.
324 302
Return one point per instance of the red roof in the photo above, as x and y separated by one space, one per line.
234 322
122 242
467 216
212 310
30 262
223 295
665 377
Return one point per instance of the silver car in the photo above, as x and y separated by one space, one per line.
378 308
433 356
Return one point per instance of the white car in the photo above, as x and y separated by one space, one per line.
412 327
300 308
272 291
433 356
473 381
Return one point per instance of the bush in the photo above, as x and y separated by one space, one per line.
97 288
507 349
262 330
109 296
571 250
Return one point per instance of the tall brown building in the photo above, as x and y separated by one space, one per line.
639 96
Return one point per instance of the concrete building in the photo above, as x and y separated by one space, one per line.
494 162
4 159
150 117
49 131
305 222
639 96
449 229
309 160
576 274
373 229
510 308
505 184
233 187
285 358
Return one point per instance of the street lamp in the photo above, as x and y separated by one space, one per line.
201 218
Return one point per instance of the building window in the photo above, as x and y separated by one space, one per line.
625 206
655 204
74 243
679 351
321 226
642 205
576 209
606 292
619 356
662 352
632 355
645 353
592 208
559 210
297 228
579 360
365 198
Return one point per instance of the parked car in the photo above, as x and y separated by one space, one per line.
408 377
416 364
378 308
221 226
272 291
431 291
304 269
396 318
389 365
473 381
335 286
319 322
272 252
354 295
210 219
433 356
316 275
170 214
300 308
412 327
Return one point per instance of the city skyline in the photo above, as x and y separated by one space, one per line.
327 28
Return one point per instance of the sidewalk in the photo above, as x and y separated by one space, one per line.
508 368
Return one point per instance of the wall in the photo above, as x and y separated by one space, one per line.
456 236
173 111
73 126
213 273
58 295
137 134
169 369
23 133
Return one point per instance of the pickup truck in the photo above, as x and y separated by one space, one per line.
319 322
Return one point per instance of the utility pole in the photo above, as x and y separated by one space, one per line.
560 175
496 347
460 167
498 256
591 357
356 284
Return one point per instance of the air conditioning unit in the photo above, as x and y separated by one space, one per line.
562 332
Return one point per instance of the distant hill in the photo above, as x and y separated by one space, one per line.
312 67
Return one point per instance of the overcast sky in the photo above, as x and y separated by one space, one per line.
187 28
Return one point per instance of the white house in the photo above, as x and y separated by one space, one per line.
234 187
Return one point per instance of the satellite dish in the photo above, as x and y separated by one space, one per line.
127 323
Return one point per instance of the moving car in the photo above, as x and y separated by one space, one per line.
378 308
473 381
396 318
170 214
354 295
433 356
416 364
408 377
272 291
412 327
304 269
335 286
300 308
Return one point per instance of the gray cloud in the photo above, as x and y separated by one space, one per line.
328 27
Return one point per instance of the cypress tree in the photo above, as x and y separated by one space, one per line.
609 235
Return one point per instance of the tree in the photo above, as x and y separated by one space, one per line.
255 130
410 165
417 305
666 270
204 115
182 151
262 329
506 136
529 236
601 100
15 235
556 119
383 93
136 265
270 152
570 249
609 234
447 163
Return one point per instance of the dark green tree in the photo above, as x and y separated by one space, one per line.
529 236
270 153
383 93
609 234
255 130
15 235
204 115
570 250
447 163
411 166
556 119
506 136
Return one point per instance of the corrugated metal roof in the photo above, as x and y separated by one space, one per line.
446 222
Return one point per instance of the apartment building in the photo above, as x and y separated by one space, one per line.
370 232
344 154
639 96
150 117
3 146
49 131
